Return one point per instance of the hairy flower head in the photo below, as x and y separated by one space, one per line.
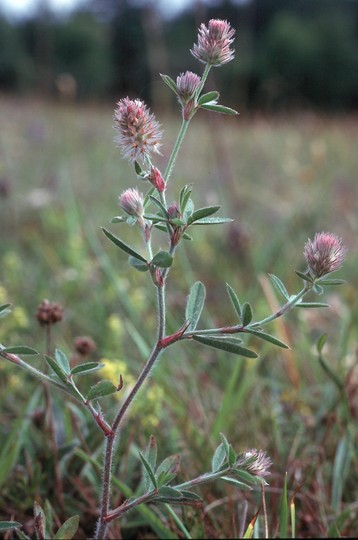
256 462
139 133
324 254
132 203
187 83
214 43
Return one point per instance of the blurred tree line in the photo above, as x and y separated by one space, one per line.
290 53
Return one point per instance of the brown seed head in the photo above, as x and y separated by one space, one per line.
49 313
84 345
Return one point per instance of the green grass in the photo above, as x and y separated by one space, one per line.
282 180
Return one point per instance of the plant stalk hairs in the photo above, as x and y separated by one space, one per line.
139 135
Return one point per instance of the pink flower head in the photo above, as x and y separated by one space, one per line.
324 254
214 42
132 203
256 462
187 83
139 133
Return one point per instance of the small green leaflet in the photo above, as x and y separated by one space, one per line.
246 314
169 82
149 470
218 458
202 213
267 337
225 345
194 305
219 108
62 361
163 259
209 97
56 368
21 349
86 367
68 529
7 525
101 389
212 221
235 301
279 286
123 246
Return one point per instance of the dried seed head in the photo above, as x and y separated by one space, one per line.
214 43
256 462
324 254
132 202
139 133
84 345
49 313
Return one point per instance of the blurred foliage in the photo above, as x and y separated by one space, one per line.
290 53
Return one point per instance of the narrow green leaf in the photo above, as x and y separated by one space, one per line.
122 245
7 525
235 301
184 197
161 206
86 367
219 108
195 303
163 259
246 477
341 469
169 82
68 529
171 465
101 389
62 361
190 495
246 314
151 452
2 308
56 368
189 209
279 286
324 282
167 491
321 341
218 458
225 345
202 213
137 264
207 98
267 337
138 169
304 276
235 482
311 305
213 221
21 349
149 471
39 522
229 453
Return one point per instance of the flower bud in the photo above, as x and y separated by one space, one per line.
214 40
132 203
156 179
324 254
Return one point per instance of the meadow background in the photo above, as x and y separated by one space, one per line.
282 173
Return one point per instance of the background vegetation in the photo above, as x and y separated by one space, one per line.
281 178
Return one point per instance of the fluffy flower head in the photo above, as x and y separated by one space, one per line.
214 43
132 202
187 83
324 254
139 133
256 462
